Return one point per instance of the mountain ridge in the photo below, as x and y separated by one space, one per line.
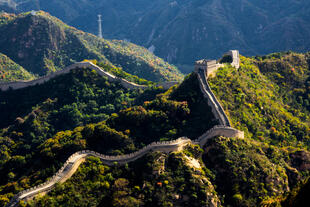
54 45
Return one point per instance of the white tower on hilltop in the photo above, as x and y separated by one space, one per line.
99 26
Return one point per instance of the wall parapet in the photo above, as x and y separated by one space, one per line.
125 83
217 131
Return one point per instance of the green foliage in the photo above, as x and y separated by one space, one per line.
78 100
122 74
298 196
261 106
243 171
10 71
82 110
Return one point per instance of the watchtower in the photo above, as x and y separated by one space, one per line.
209 66
235 58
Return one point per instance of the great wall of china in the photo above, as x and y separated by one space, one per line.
126 84
216 107
73 162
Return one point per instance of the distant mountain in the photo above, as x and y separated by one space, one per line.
42 44
181 31
10 71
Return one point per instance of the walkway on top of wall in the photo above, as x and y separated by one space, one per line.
217 108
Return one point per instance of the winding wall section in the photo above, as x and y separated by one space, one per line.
73 162
126 84
77 158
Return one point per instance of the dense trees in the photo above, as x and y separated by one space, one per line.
266 108
10 71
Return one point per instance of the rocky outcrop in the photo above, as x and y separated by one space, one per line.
126 84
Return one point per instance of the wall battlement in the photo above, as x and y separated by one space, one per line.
126 84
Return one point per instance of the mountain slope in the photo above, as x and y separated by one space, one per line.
268 99
43 44
10 71
36 140
183 31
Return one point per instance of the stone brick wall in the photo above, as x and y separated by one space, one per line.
215 105
219 131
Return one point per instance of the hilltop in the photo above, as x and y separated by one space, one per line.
268 97
43 44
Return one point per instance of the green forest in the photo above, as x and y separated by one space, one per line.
87 104
267 98
10 71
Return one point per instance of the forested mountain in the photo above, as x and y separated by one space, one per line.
267 98
182 31
10 71
42 44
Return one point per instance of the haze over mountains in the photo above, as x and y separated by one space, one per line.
182 31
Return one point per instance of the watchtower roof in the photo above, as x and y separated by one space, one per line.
204 62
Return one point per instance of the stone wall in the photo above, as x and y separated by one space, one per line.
219 131
72 163
126 84
77 158
209 66
215 105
